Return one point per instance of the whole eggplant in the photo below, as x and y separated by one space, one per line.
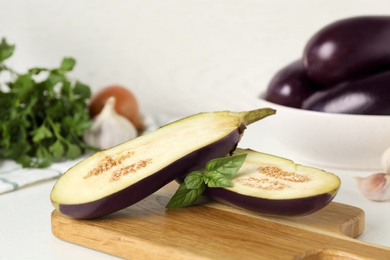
347 49
366 96
290 86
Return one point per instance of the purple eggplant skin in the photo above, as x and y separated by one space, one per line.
271 207
87 190
367 96
290 86
348 49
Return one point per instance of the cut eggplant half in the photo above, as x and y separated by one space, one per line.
118 177
273 185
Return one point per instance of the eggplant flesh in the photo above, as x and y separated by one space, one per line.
118 177
272 185
367 96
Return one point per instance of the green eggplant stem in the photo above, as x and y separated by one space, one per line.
248 117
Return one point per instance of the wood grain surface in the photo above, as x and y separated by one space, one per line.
212 230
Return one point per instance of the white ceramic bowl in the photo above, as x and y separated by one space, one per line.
334 140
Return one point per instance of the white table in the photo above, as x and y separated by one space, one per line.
25 225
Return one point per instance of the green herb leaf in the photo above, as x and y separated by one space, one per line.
73 151
218 173
81 90
41 133
6 50
24 160
227 166
67 64
57 150
184 196
215 179
194 180
44 114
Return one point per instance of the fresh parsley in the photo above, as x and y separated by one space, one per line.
217 173
43 113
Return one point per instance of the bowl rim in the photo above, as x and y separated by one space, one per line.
318 113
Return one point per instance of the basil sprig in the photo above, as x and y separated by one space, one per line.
217 173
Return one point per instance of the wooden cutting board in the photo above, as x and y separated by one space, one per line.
212 230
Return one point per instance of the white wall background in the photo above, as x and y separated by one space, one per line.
177 56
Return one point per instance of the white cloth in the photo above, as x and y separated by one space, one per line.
13 176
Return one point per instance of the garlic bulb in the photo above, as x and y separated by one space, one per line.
109 128
386 160
375 187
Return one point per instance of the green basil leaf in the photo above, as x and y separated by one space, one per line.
227 166
215 179
194 180
184 196
217 174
